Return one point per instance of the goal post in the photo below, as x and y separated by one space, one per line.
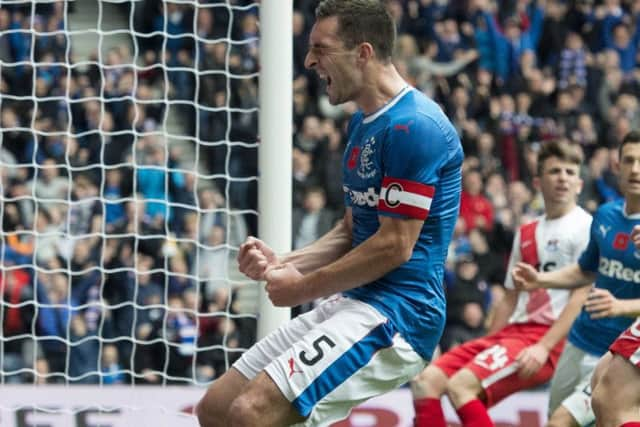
275 130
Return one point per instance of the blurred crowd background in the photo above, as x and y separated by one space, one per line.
115 255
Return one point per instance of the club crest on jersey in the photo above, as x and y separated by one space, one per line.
552 245
367 167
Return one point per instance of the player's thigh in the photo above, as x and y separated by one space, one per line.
573 368
388 369
263 402
218 398
601 368
497 370
334 367
618 388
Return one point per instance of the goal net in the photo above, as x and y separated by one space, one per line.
128 161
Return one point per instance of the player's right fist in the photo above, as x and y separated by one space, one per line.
255 257
525 277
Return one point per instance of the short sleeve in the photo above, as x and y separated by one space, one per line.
590 257
413 156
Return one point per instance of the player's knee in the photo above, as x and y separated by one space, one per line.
246 411
431 382
463 386
561 417
601 394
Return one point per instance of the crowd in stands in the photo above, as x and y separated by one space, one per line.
114 256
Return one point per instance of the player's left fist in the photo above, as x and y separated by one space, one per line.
285 286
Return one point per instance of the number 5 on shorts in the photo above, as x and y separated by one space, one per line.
319 353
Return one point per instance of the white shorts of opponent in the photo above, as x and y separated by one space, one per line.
332 358
571 384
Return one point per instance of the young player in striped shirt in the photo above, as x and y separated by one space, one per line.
527 335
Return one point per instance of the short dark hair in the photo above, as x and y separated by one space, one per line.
562 150
361 21
632 137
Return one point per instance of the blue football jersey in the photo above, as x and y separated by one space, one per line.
611 254
404 161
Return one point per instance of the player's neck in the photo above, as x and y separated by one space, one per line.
632 205
381 84
557 211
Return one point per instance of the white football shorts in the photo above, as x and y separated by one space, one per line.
571 384
332 358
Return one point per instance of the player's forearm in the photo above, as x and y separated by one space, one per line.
324 251
502 311
569 277
367 262
562 325
631 307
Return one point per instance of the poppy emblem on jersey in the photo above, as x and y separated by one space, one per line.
405 197
621 242
367 167
353 158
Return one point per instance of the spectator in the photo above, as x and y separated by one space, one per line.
467 300
313 220
112 371
475 208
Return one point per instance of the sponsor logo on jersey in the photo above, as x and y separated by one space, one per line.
616 270
360 198
367 168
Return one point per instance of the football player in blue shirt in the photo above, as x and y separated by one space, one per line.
612 260
384 260
618 372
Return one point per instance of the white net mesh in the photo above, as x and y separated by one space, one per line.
128 157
